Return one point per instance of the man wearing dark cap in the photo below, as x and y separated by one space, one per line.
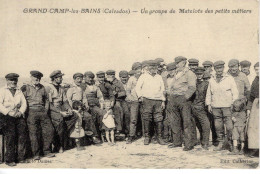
245 68
208 66
161 66
60 111
221 93
198 108
145 66
193 64
75 93
133 100
12 108
240 78
180 91
120 94
93 97
131 73
150 91
38 107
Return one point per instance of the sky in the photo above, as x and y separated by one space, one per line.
94 42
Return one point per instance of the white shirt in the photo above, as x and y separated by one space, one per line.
151 87
8 102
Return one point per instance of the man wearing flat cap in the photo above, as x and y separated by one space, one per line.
75 93
38 107
12 108
245 68
120 107
180 91
240 78
161 67
131 73
133 100
208 66
193 64
150 91
60 111
93 97
198 108
221 93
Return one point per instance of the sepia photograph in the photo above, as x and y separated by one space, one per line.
147 84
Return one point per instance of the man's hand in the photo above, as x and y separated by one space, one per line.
163 105
64 114
248 113
18 114
70 111
210 109
141 99
234 119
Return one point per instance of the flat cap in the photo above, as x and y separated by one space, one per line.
219 63
77 75
144 63
110 72
123 73
206 75
233 62
89 74
245 63
199 70
136 65
171 66
100 74
179 59
12 76
36 74
152 63
132 72
207 63
159 60
193 61
256 65
56 73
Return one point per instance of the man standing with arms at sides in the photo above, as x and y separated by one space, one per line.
12 108
180 90
150 91
75 93
245 68
221 94
133 99
38 102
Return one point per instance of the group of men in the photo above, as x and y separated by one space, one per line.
167 101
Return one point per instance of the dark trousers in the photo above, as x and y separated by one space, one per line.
134 112
178 110
89 123
38 121
97 115
126 116
202 122
16 138
122 116
212 127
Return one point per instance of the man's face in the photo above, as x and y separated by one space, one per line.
193 67
171 72
138 72
89 80
58 80
234 69
101 79
35 80
78 80
257 71
124 79
181 64
208 68
219 70
110 78
245 70
12 83
199 76
153 69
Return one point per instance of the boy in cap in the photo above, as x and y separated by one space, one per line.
208 66
60 111
193 64
180 90
38 107
221 93
150 91
75 93
245 68
12 108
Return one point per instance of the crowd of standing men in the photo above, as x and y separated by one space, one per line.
163 103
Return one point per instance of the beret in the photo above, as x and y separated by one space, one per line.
56 73
110 72
219 63
123 73
77 75
199 70
245 63
256 65
206 75
233 62
179 59
132 72
171 66
100 73
193 61
136 65
36 74
159 60
144 63
11 76
207 63
152 63
89 74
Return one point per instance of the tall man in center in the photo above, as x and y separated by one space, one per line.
150 91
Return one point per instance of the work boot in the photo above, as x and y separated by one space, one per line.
205 147
146 132
154 140
49 155
130 140
188 148
12 164
235 151
242 152
219 147
96 140
174 146
37 157
159 128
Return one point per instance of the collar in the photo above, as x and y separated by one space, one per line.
74 85
234 75
224 75
7 87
